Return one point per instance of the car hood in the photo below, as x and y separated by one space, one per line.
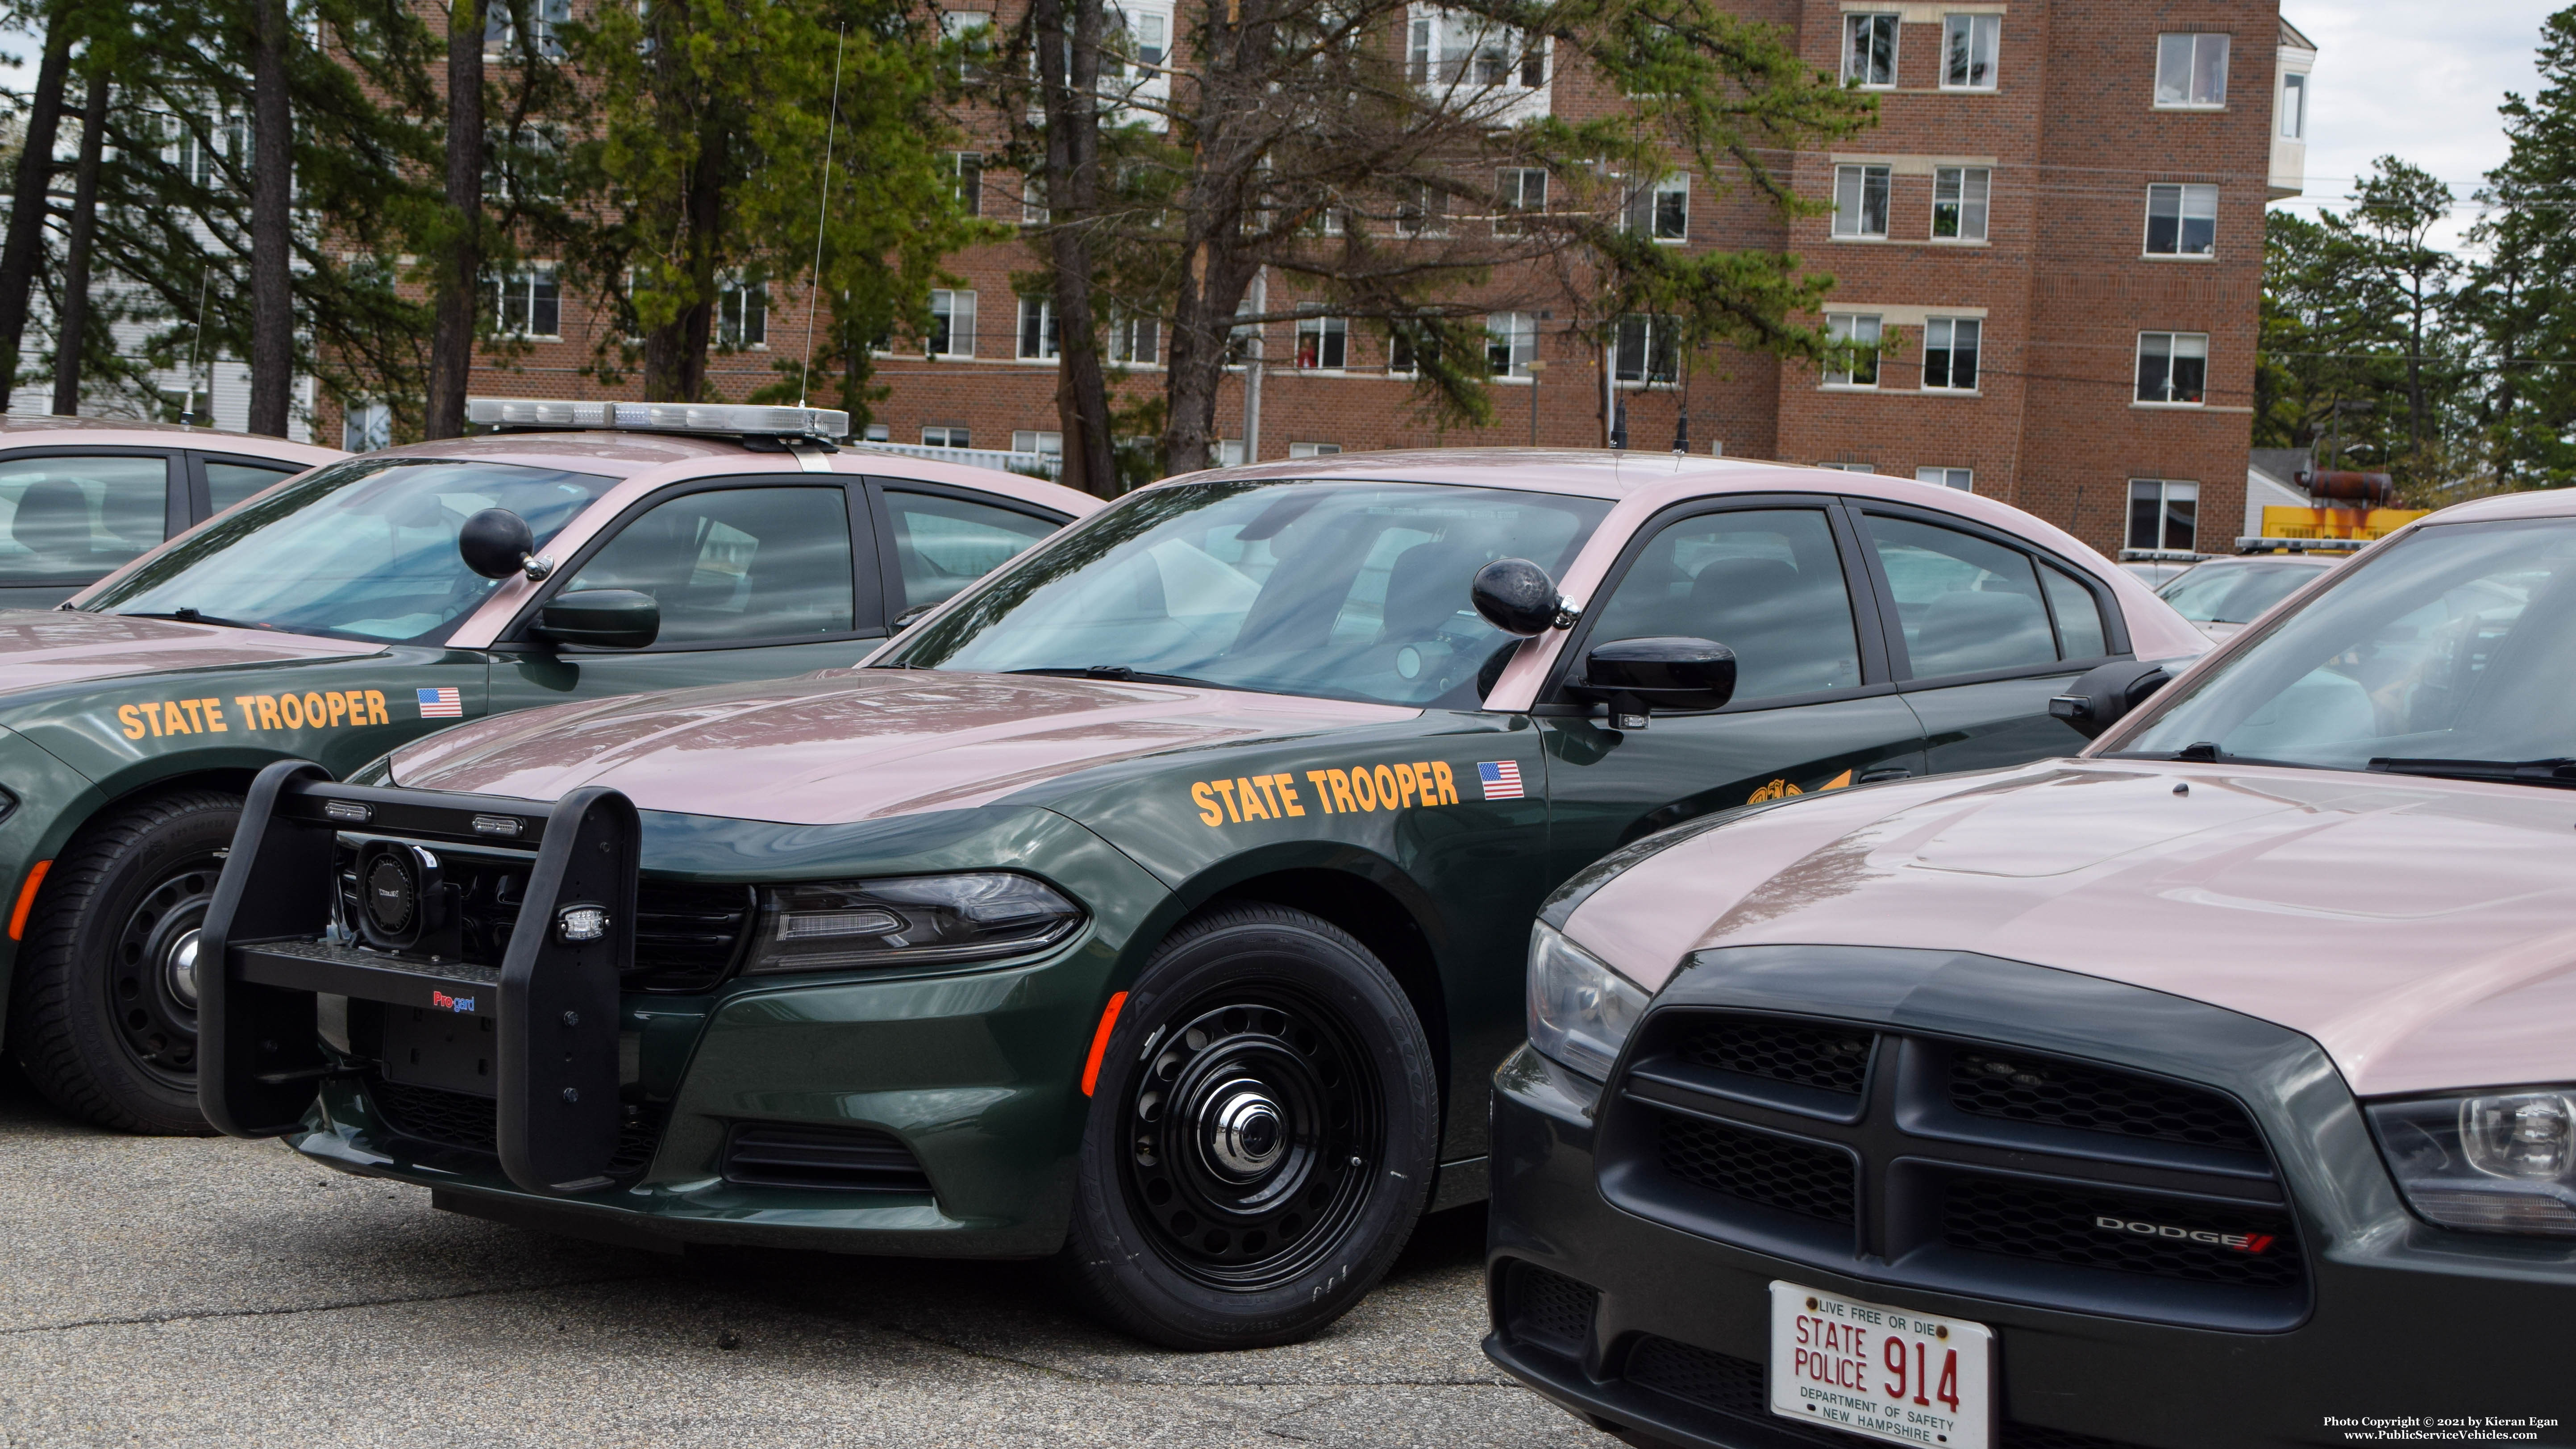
851 744
40 647
2423 931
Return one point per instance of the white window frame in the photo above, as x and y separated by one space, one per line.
1514 335
1512 197
1868 23
946 435
1430 207
1125 335
1638 338
500 30
1448 49
1645 215
1313 450
1972 190
1034 210
1962 479
967 170
2184 194
1050 343
1866 327
1949 331
1332 344
2175 347
958 307
1852 187
2168 491
366 425
2294 105
1985 28
876 433
2182 59
525 283
1037 440
733 313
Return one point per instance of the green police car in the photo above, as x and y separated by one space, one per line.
1157 904
335 616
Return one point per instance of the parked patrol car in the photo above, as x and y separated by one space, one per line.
335 617
1160 900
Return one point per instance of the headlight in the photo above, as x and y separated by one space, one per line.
903 920
2494 1164
1580 1011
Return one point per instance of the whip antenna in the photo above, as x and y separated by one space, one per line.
822 215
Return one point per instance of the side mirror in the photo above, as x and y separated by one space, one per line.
1517 597
496 543
2097 700
601 619
1665 671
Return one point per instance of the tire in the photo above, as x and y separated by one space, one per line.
1261 1138
104 1017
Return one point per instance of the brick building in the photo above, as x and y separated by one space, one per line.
2056 229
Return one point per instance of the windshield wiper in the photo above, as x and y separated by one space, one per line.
188 616
1123 674
2558 770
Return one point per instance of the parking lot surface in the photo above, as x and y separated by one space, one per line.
207 1291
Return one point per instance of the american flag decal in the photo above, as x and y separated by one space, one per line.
1501 779
440 703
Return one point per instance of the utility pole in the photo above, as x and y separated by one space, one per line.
1252 369
1536 366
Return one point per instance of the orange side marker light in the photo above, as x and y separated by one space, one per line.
1090 1069
27 902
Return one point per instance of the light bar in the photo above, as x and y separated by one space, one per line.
752 418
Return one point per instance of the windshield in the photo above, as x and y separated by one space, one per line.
2234 593
2456 643
362 550
1344 590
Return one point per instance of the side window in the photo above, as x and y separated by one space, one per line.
943 544
1766 583
2080 634
230 483
736 565
1966 604
77 518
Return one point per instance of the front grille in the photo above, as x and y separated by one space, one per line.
1725 1385
1985 1082
1775 1172
462 1119
847 1159
1548 1309
1829 1059
687 935
2027 1220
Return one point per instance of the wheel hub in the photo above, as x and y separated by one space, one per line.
1244 1135
153 984
180 966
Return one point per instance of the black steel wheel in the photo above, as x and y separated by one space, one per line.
1261 1135
104 1018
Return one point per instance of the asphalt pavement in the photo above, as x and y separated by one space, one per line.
213 1292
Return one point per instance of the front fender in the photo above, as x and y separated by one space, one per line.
54 800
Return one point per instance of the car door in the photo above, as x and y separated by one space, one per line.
757 578
1982 629
217 482
68 516
1779 579
933 541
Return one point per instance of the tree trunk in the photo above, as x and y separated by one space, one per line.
32 200
459 280
71 337
1069 79
272 176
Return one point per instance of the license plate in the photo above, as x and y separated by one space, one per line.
1880 1372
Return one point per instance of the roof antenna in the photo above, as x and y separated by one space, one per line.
822 214
188 409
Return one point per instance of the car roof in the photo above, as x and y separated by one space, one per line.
2534 503
630 455
128 432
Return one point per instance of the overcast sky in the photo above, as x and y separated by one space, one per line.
2417 79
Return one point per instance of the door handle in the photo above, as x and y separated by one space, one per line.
1885 772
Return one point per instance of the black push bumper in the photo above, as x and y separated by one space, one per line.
545 976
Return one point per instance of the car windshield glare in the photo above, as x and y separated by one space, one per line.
2454 644
362 550
1344 590
2234 593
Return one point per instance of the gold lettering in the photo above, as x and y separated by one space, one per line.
1364 789
1199 792
250 710
337 702
1226 788
1268 798
172 721
376 707
268 717
215 716
315 716
132 719
1447 783
1323 784
1384 779
1288 793
1250 795
1340 781
1430 787
196 721
1405 782
291 710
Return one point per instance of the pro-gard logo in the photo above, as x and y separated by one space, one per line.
2239 1242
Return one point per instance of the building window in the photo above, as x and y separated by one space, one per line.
1850 467
1963 479
1323 343
1229 452
2163 514
1661 211
525 163
1869 50
1030 441
952 324
2173 367
1037 329
204 148
1445 48
365 427
1862 329
1511 340
546 18
876 433
1970 45
742 316
1422 210
1033 202
1137 341
529 304
968 167
1959 202
1950 354
2191 70
1313 450
1860 201
945 435
2294 106
971 31
1646 351
2182 220
1517 190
